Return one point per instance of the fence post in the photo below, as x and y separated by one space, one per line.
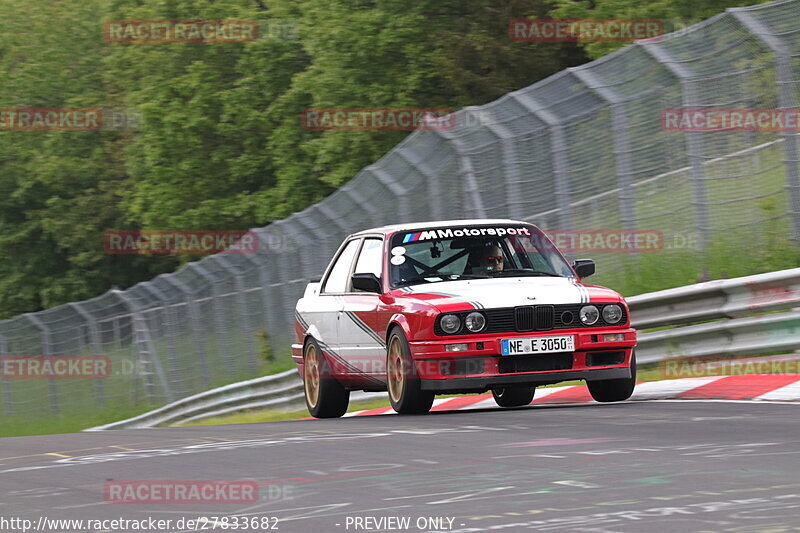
558 150
44 332
94 334
466 170
169 327
694 145
511 174
8 398
219 316
195 326
622 145
143 340
786 100
363 203
244 314
271 294
286 271
435 200
398 191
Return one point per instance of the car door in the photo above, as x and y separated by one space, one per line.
359 335
330 304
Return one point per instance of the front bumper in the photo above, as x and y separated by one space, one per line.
480 384
481 366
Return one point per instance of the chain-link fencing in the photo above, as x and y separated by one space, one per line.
583 150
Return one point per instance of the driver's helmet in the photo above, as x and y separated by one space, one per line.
484 258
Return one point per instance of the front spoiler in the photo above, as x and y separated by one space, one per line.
480 384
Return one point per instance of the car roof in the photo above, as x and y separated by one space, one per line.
440 224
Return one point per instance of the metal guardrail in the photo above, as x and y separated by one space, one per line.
724 298
723 305
281 392
725 310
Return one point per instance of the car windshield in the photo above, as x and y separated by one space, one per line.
444 254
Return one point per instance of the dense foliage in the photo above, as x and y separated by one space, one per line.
220 145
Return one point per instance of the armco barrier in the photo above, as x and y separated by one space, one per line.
582 150
724 298
715 302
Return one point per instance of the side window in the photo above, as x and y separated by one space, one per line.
339 277
371 258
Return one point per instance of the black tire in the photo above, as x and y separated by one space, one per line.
402 381
325 396
513 396
614 390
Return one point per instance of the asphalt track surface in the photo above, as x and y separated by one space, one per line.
634 466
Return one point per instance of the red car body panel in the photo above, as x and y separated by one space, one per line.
362 363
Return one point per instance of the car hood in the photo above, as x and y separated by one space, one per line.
507 292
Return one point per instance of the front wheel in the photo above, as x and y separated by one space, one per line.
513 396
614 390
405 391
325 396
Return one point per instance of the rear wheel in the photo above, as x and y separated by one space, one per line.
325 396
405 391
513 396
614 390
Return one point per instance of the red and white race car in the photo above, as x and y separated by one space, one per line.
458 307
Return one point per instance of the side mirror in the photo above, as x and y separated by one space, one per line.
583 267
367 282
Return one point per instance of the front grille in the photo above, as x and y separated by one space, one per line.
531 318
544 317
535 363
523 319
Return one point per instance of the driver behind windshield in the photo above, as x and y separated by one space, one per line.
486 258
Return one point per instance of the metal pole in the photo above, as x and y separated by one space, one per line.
195 325
786 100
434 195
96 346
244 313
467 172
139 320
169 323
219 315
694 145
46 349
8 399
558 150
396 189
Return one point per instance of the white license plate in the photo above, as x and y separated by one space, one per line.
562 343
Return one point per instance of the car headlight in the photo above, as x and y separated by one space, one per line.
589 314
450 323
475 322
612 314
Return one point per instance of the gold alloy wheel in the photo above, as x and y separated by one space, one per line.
394 369
311 374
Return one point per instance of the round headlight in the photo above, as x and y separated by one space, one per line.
612 314
475 322
589 314
450 323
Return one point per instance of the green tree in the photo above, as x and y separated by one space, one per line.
676 14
